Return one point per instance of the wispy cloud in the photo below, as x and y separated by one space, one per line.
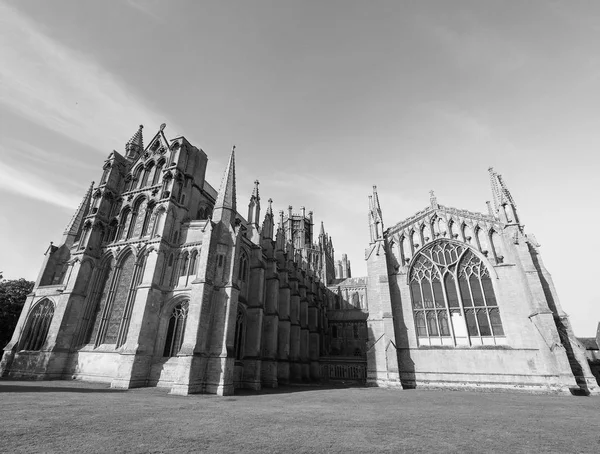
63 90
25 184
22 151
148 7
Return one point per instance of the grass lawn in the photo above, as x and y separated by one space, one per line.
68 416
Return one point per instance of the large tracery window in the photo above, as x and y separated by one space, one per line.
176 329
453 297
38 326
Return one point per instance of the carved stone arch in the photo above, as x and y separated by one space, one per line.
137 201
451 228
481 235
107 165
415 239
497 246
442 226
149 163
405 247
123 254
468 233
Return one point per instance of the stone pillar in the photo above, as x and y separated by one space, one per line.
270 327
295 367
254 327
303 319
284 331
314 338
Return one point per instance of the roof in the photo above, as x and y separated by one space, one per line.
589 343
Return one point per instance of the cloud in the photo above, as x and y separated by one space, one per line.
148 7
26 184
63 90
43 157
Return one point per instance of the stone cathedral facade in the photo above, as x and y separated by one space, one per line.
160 281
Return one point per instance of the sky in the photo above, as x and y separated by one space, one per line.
323 99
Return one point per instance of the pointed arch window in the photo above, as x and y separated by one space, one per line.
137 177
147 172
453 296
243 268
176 329
157 172
183 271
240 323
38 326
193 262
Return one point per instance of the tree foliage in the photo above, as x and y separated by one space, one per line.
13 294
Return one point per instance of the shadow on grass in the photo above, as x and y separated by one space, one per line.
51 387
296 388
46 389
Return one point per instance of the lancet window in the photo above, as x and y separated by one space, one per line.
453 296
38 326
176 329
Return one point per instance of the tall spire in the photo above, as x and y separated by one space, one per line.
76 221
135 145
502 197
254 205
226 199
375 217
500 192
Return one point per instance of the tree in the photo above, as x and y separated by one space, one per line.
13 294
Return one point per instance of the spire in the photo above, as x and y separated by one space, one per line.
226 196
254 205
375 217
502 197
76 222
268 225
135 145
322 232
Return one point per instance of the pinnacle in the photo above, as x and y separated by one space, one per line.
226 198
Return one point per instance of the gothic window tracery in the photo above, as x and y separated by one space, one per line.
176 329
450 285
38 326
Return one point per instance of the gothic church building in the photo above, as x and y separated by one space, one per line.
159 281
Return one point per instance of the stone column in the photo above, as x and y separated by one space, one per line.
314 338
254 326
295 367
284 330
303 319
270 327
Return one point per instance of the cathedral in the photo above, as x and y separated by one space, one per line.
159 280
